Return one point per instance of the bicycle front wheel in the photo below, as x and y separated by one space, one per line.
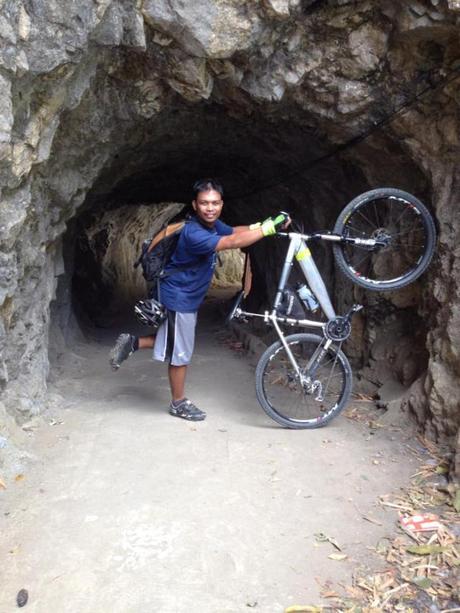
312 400
406 237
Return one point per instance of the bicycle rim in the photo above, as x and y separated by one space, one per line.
407 229
292 404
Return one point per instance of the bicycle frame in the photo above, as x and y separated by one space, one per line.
299 250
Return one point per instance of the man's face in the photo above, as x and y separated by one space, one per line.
208 207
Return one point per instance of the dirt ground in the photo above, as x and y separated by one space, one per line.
123 508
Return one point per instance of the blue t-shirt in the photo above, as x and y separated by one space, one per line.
185 290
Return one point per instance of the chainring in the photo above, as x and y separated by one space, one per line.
338 329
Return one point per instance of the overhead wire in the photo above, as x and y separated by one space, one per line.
450 76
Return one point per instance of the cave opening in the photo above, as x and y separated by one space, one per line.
260 163
266 164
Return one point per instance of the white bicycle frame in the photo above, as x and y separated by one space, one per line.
299 250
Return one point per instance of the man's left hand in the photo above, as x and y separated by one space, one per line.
271 226
282 221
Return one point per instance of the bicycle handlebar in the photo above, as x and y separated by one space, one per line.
337 238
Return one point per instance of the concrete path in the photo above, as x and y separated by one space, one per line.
129 510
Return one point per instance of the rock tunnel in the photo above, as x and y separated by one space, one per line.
260 164
107 120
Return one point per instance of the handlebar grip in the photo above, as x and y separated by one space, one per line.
280 219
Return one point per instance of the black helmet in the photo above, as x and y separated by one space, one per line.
150 312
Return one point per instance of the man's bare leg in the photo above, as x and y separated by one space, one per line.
177 376
146 342
180 405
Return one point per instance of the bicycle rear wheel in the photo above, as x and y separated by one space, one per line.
309 404
402 224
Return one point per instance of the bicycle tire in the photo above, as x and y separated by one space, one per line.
407 225
280 394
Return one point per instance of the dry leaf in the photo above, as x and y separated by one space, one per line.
19 477
372 520
323 538
329 594
354 592
337 556
2 485
425 550
422 582
457 501
441 470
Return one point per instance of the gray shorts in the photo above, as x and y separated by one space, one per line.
175 339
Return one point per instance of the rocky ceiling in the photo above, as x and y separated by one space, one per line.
294 104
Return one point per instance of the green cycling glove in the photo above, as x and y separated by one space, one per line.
270 226
259 224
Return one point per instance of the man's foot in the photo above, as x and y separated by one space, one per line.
187 410
122 349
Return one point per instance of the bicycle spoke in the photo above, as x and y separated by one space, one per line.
405 232
390 219
361 232
369 268
376 215
366 219
357 264
332 368
407 208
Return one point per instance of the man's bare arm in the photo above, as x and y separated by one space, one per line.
241 238
244 236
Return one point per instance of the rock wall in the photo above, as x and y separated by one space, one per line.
107 243
135 99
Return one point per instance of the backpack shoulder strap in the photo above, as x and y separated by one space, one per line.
164 232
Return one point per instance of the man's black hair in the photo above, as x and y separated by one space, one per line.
204 185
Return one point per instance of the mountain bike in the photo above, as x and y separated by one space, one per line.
383 240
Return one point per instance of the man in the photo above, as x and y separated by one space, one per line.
183 291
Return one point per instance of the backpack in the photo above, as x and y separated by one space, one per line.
157 251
